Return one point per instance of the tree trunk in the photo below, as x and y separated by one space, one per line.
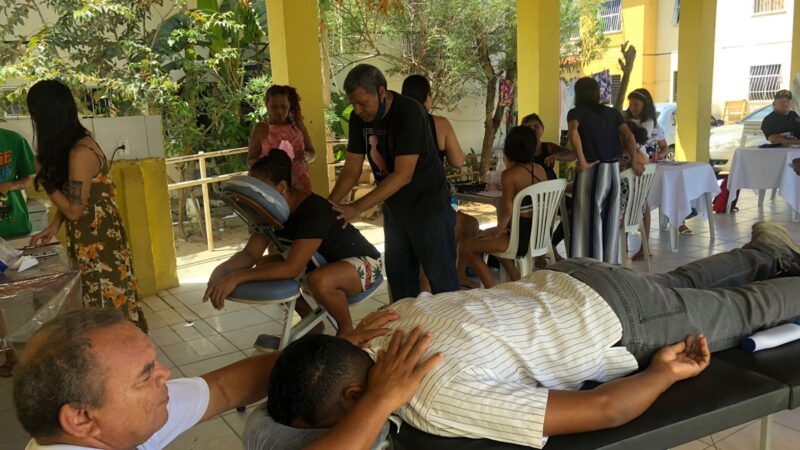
626 64
489 129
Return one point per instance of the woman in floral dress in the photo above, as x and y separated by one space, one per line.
75 174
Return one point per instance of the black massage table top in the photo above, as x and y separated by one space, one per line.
723 396
780 363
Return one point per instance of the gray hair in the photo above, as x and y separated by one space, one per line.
364 76
62 370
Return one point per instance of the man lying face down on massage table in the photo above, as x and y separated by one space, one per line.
515 355
353 263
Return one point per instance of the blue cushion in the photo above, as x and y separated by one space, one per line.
266 291
362 295
261 194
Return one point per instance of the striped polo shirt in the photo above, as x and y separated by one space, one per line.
505 348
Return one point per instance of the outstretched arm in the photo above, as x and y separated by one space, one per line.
618 402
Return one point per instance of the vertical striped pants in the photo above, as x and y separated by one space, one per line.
595 214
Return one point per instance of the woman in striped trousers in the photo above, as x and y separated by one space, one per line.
597 133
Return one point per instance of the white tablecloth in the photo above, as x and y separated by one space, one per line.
765 168
679 188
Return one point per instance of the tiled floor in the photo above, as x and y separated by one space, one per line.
193 338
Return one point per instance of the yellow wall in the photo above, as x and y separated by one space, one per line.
296 60
144 204
639 29
537 62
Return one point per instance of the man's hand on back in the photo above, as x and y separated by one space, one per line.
398 371
683 360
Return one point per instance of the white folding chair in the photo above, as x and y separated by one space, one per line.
638 189
545 198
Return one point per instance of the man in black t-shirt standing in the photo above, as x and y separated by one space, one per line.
782 125
393 132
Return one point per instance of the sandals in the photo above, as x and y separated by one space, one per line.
683 229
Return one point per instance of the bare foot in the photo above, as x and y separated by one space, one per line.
639 256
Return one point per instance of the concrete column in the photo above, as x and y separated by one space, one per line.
795 67
538 62
695 76
296 60
143 202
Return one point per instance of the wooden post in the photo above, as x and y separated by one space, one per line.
206 205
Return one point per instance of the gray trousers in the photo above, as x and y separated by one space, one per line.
726 297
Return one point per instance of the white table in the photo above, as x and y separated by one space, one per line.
679 187
765 168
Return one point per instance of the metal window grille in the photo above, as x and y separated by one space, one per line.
676 13
611 16
675 86
766 6
764 82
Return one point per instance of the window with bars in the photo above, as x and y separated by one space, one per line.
764 82
767 6
611 16
676 13
675 86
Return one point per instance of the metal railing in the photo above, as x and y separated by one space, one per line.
204 181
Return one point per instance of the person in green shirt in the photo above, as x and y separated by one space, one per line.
16 173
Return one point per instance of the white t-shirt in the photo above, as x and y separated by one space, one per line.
188 402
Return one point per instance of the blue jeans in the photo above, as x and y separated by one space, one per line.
429 242
726 297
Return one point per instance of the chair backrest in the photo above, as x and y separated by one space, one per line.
545 199
752 134
735 110
638 189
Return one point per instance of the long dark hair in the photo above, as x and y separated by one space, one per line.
649 109
417 87
56 129
587 94
295 115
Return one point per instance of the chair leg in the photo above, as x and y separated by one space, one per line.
673 237
286 336
565 224
645 247
761 194
774 193
623 246
712 229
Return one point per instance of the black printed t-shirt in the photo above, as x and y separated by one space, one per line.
599 132
315 219
404 130
777 123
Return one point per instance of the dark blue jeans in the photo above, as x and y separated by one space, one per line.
726 297
430 242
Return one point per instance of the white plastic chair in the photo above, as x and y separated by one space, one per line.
638 189
546 199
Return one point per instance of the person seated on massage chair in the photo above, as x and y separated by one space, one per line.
517 353
353 263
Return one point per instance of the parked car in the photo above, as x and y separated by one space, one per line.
724 140
665 116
